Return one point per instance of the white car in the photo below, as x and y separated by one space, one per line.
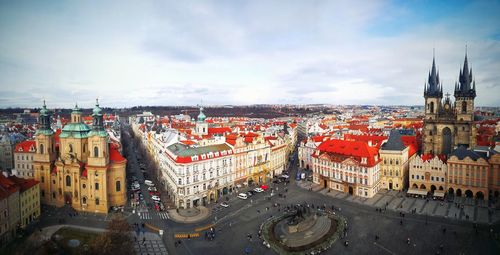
258 190
242 196
149 183
224 204
155 198
152 189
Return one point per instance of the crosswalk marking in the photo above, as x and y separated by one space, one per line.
164 215
145 216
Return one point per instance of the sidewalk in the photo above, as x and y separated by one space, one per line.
397 201
184 216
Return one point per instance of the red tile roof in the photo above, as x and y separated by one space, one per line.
218 130
26 146
351 149
24 184
411 142
114 154
8 185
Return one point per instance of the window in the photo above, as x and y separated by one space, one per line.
464 106
97 201
41 148
70 148
43 179
53 195
53 181
431 107
96 186
84 186
96 152
68 181
43 193
84 200
118 186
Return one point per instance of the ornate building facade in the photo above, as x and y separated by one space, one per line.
448 124
85 171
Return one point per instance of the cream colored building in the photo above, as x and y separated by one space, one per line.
29 199
395 157
85 171
23 159
428 173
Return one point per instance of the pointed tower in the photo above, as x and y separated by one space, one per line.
465 92
433 93
201 125
98 139
45 152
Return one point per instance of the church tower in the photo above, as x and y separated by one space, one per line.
465 93
98 139
201 125
433 93
43 160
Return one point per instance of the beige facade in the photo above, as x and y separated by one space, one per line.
394 169
23 159
427 174
85 171
494 176
468 177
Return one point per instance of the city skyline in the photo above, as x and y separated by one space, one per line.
226 53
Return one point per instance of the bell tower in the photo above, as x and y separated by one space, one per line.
43 160
465 92
201 125
98 139
433 93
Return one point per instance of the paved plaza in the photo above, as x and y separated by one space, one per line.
460 209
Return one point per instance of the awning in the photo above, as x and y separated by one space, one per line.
439 193
414 191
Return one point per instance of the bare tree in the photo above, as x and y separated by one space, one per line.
116 240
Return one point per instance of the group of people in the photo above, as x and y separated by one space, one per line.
210 234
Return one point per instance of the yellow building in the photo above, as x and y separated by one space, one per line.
396 154
85 171
29 199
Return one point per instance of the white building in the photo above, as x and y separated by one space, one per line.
23 159
348 166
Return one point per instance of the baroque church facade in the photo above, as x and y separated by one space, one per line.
448 124
81 167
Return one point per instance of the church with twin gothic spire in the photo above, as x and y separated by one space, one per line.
80 167
449 124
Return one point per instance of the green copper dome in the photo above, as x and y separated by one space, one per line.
97 110
76 130
44 111
76 110
201 116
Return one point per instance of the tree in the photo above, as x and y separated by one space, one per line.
116 240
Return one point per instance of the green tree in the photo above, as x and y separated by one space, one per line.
116 240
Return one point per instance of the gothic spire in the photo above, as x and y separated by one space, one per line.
464 88
433 84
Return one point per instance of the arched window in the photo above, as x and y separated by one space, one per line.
96 152
464 106
97 201
70 148
41 148
118 186
84 200
68 181
431 107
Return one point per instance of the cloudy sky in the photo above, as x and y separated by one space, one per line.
242 52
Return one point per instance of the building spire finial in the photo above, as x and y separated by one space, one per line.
97 101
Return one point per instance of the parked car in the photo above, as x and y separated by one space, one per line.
152 188
250 193
258 190
154 193
224 204
149 183
156 198
242 196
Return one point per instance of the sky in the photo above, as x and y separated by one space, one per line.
129 53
